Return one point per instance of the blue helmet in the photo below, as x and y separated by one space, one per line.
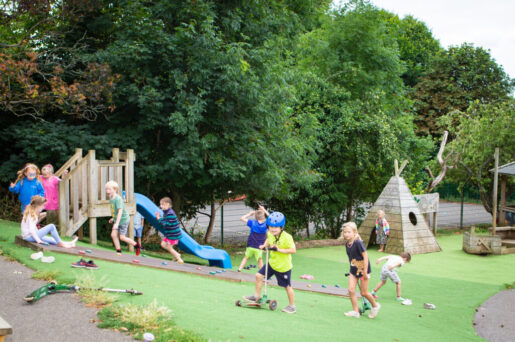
276 219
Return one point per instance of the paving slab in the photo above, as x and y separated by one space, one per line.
494 319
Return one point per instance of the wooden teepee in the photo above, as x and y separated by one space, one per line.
409 231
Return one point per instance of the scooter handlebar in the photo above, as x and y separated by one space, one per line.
270 248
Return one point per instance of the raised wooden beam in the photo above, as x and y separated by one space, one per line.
496 176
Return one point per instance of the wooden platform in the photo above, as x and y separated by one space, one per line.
5 329
200 270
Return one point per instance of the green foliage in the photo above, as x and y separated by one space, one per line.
457 77
47 275
478 131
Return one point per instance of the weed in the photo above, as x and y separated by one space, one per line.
510 286
149 318
47 275
8 253
88 290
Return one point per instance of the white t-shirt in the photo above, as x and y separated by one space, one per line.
28 228
394 260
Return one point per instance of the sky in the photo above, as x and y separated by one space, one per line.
489 24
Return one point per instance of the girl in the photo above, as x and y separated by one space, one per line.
27 184
51 186
382 230
359 269
29 231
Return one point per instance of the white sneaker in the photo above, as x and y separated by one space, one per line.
36 256
352 314
48 259
374 311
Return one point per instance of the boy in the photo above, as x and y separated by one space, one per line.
257 236
389 271
281 245
138 227
120 218
170 228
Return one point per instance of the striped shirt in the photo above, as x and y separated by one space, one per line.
169 225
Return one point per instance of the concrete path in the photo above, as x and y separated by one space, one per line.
494 320
59 317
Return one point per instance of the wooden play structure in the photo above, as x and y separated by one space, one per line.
501 240
409 231
82 194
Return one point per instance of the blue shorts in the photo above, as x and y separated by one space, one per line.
138 232
283 278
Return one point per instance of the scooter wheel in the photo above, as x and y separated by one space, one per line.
273 305
238 302
361 311
28 299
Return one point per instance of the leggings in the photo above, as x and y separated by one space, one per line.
48 229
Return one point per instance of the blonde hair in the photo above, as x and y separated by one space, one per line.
50 167
112 184
354 228
21 173
30 210
380 211
259 214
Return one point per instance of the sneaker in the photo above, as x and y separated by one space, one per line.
250 298
48 259
429 306
80 263
138 249
36 256
400 299
91 265
290 309
352 314
374 311
374 295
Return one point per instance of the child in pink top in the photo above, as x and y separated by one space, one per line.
51 186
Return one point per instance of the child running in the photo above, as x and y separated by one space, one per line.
281 245
359 269
27 185
120 219
382 230
389 271
257 236
29 231
171 228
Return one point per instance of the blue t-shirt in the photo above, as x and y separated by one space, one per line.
257 235
355 254
27 189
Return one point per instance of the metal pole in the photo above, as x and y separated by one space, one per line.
222 225
461 209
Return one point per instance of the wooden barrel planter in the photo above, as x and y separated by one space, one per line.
481 244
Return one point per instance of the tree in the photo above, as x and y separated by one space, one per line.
478 131
457 77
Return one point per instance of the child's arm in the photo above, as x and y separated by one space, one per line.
245 218
263 208
365 263
15 188
33 229
40 189
381 259
394 266
118 218
265 245
287 250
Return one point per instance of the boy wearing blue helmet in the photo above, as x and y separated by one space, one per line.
282 246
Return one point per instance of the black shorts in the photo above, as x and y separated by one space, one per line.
283 278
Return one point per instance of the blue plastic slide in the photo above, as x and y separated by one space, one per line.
216 257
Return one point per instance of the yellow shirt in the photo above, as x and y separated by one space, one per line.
280 262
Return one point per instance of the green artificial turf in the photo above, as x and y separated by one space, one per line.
457 283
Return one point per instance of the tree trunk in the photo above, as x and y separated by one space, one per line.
307 228
211 222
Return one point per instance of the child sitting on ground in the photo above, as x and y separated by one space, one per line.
29 231
257 236
281 245
389 271
359 270
170 228
27 185
120 219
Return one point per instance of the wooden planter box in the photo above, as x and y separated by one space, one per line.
481 244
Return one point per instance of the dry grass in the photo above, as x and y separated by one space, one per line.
47 275
88 292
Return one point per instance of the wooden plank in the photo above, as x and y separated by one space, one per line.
93 230
5 328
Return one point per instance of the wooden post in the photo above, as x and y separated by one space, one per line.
396 165
92 180
93 230
62 207
434 223
502 212
494 209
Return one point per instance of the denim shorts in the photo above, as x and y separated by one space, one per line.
138 232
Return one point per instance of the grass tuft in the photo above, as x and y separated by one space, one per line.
88 290
47 275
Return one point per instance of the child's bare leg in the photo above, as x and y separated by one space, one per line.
260 263
381 248
378 286
398 287
259 284
127 240
243 262
365 293
353 281
172 251
291 295
139 241
116 241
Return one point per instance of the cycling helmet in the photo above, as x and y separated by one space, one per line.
276 219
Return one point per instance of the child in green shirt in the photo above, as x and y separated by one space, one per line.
282 246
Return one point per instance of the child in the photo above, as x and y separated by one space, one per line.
389 271
120 218
281 245
138 227
382 230
170 228
359 269
27 185
257 236
29 231
51 186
